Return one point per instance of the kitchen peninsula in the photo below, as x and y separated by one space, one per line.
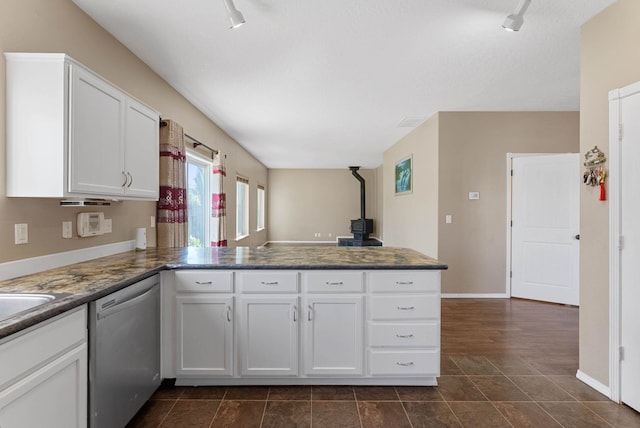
283 315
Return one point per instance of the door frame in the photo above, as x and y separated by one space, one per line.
615 313
510 157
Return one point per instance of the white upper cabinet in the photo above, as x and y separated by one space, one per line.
70 133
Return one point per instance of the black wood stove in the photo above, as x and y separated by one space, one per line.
362 227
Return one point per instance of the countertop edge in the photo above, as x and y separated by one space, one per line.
29 318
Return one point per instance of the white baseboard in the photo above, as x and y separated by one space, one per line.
300 242
16 268
335 241
475 296
601 388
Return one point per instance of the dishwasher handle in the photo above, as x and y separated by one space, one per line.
126 304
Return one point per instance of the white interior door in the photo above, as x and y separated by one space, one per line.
630 251
545 204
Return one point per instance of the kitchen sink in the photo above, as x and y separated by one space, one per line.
13 303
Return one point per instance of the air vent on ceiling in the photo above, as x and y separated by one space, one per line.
410 122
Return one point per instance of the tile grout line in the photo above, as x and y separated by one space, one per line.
403 408
167 415
264 411
219 405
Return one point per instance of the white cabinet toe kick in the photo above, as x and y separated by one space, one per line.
288 327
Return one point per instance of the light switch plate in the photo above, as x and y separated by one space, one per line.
67 229
153 221
474 195
108 225
21 233
448 219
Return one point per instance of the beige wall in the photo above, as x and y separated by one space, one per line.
411 220
473 149
302 202
609 60
59 26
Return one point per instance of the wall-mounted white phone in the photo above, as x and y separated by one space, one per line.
90 224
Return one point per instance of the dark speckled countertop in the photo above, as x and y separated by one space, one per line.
88 281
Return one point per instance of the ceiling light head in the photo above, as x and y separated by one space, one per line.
514 21
235 16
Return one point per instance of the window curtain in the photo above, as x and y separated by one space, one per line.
172 205
218 203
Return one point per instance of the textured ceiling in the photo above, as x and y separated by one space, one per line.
324 83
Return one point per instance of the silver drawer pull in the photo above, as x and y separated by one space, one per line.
406 308
404 336
269 283
410 363
404 282
229 313
334 283
204 282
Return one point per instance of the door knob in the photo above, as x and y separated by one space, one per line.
577 237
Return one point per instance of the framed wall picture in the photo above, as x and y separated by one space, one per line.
404 176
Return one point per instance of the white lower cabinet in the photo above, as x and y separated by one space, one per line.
404 324
269 336
204 335
333 336
44 375
305 327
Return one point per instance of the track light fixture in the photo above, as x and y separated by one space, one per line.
514 21
235 16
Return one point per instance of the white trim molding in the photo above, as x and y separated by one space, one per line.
475 296
600 387
14 269
614 248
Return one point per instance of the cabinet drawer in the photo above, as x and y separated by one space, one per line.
204 281
405 307
32 349
404 335
334 282
410 363
404 281
268 282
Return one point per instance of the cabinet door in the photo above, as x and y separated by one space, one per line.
142 151
333 336
54 396
269 336
96 152
204 335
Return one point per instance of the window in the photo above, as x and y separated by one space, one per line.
260 208
242 207
198 200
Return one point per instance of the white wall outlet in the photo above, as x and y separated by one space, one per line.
329 234
448 219
108 225
21 233
153 221
474 195
67 229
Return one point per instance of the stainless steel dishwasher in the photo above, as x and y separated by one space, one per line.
124 353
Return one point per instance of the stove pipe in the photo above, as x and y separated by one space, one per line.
354 172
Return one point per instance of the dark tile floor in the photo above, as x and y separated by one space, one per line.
473 391
506 363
